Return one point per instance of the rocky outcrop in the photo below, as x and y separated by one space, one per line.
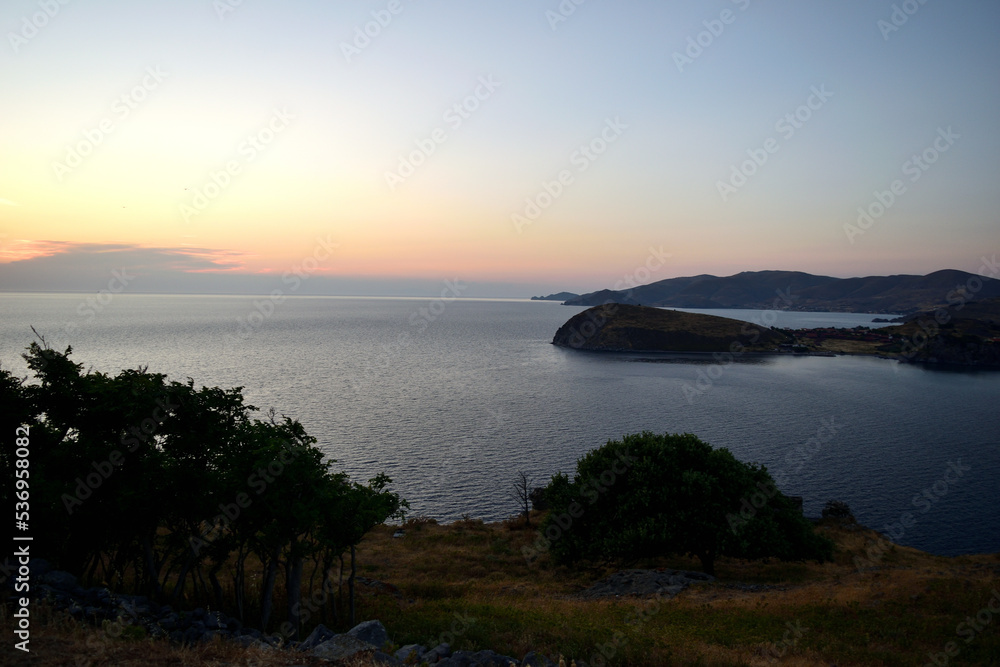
618 327
97 605
645 583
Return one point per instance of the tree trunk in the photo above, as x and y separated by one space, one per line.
350 588
153 583
267 589
239 582
216 586
199 578
329 595
707 559
340 583
327 587
293 588
181 580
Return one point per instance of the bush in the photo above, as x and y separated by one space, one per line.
837 509
651 495
537 498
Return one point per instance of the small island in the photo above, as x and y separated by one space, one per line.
619 327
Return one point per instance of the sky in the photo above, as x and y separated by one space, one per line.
387 146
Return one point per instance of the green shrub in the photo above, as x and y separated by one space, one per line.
651 495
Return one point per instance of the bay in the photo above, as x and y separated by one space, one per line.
452 398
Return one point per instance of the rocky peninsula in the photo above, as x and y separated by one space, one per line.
618 327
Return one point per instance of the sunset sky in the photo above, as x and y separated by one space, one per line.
182 139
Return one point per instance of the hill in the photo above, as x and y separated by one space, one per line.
879 603
964 334
559 296
985 310
622 327
795 290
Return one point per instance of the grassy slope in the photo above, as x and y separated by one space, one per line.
894 615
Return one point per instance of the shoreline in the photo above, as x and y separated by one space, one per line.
695 356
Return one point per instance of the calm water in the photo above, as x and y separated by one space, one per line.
452 399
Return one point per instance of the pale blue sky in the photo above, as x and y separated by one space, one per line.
657 184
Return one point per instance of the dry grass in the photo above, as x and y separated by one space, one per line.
467 583
843 346
57 639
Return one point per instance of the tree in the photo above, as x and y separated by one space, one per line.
136 479
651 495
520 492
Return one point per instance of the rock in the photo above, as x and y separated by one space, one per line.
645 583
533 659
39 567
458 659
169 621
437 653
58 579
380 586
370 632
320 634
416 651
342 647
493 659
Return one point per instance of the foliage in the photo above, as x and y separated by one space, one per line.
649 495
837 509
537 498
158 483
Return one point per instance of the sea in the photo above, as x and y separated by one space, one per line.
454 397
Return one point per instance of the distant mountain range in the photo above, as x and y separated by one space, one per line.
795 290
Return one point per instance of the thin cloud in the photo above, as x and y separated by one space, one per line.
7 202
150 259
60 266
18 250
